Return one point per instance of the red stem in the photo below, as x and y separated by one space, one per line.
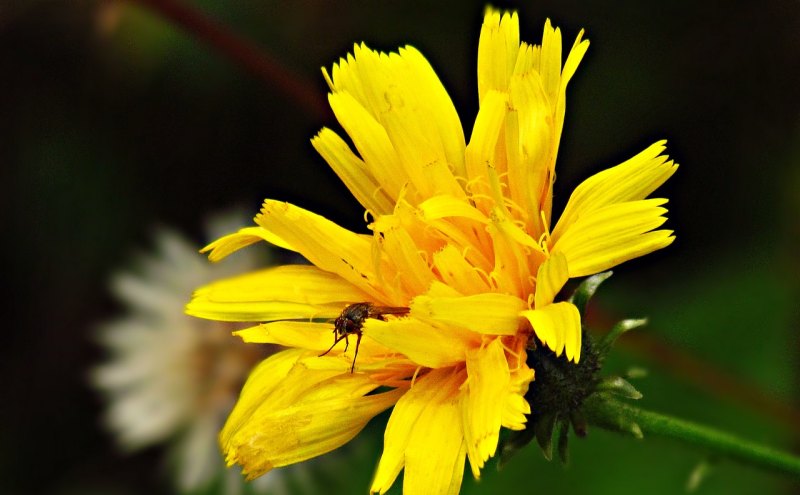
244 52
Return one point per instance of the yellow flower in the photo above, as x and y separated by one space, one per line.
460 235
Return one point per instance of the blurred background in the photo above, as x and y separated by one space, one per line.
117 120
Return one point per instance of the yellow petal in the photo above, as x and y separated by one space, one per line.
305 414
444 206
317 337
401 93
230 243
550 61
372 142
515 411
497 50
489 313
613 234
353 172
263 380
424 435
440 109
632 180
284 292
415 129
559 327
515 254
412 270
483 402
529 132
327 245
552 276
574 59
515 408
480 153
424 344
457 273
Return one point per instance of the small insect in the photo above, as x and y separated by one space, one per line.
351 322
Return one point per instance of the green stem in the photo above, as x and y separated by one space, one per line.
621 417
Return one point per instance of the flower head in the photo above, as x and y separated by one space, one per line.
170 378
460 236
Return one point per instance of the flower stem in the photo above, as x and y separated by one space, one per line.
614 415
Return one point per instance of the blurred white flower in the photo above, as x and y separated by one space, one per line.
172 378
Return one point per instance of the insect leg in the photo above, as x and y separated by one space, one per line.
335 341
358 343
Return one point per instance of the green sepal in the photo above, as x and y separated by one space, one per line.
618 386
635 373
544 434
512 442
699 474
610 418
563 442
604 345
586 290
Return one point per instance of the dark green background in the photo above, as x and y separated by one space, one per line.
108 129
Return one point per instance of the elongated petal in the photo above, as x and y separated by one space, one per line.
559 327
632 180
230 243
316 337
424 344
424 435
327 245
352 171
574 58
613 234
284 292
482 404
489 313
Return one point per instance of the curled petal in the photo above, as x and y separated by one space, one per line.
288 413
231 243
558 326
552 276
